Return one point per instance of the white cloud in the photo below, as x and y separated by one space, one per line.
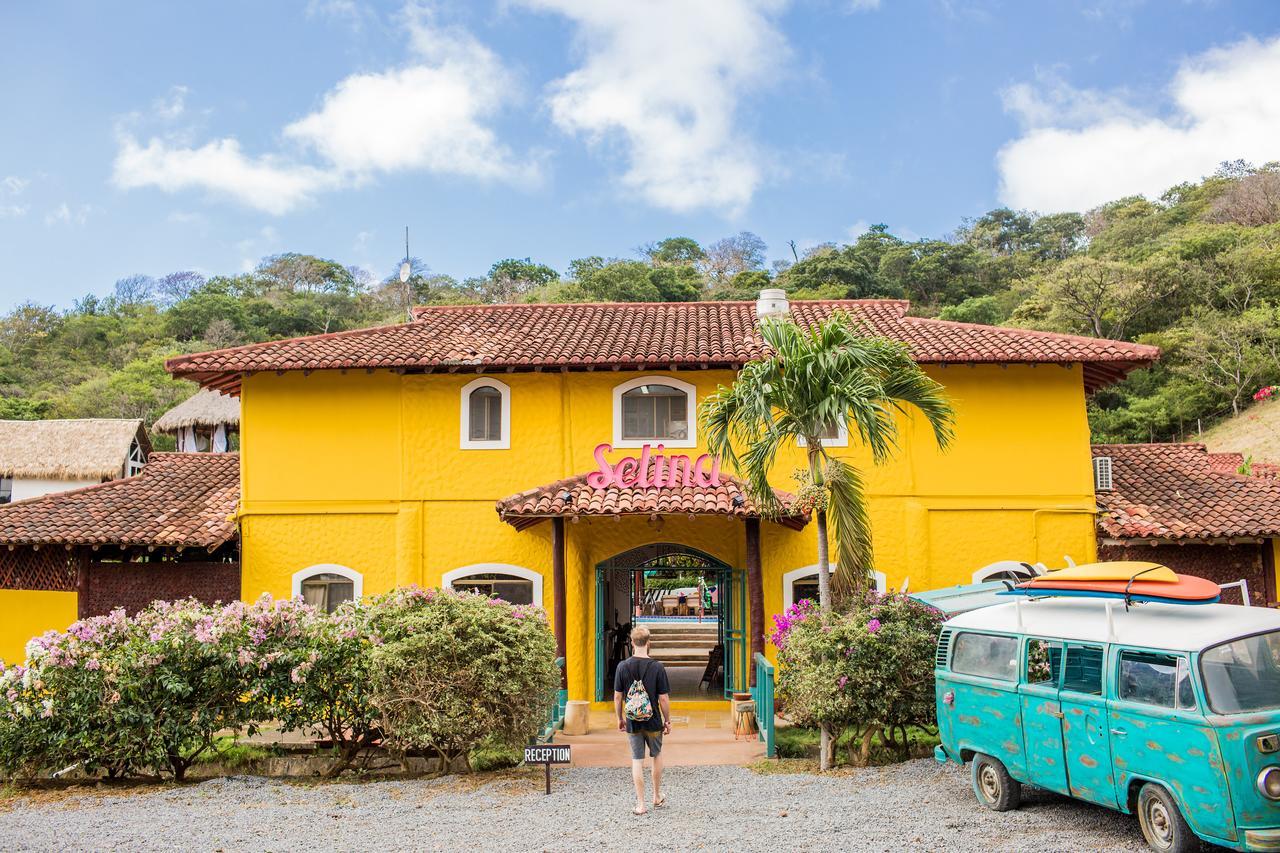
12 211
863 5
65 214
430 115
13 185
665 79
1080 148
173 106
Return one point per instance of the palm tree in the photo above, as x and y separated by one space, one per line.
816 378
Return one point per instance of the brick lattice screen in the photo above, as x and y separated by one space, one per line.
135 585
1218 563
47 569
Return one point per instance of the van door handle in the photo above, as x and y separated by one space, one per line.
1120 732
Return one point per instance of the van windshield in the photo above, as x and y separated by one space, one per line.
1243 675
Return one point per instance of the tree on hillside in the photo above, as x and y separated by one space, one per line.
835 272
1232 354
513 278
298 273
674 252
814 379
729 256
1098 297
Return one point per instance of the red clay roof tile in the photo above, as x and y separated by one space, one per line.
1181 491
640 336
574 497
179 499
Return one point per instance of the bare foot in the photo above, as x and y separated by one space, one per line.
639 810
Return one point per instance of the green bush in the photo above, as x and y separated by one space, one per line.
867 672
451 669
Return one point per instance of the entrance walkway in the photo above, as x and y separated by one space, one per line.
697 738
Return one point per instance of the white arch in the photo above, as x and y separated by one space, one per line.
357 579
789 579
691 412
465 442
447 581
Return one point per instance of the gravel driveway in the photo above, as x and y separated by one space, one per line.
919 805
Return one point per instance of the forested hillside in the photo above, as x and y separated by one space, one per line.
1196 272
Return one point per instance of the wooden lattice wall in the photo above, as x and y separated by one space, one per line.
52 568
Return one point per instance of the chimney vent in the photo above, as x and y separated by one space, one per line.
772 303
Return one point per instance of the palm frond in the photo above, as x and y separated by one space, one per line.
851 528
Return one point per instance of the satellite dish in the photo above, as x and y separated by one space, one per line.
404 272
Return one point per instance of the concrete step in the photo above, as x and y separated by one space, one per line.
657 645
680 655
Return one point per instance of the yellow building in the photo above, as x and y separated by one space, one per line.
457 448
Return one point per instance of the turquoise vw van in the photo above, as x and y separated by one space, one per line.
1168 711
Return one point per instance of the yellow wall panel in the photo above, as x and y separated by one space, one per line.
28 613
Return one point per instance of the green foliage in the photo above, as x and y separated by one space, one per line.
450 670
830 373
867 671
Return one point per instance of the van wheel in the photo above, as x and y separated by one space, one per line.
1162 823
993 785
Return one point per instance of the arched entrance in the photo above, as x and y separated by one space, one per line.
641 585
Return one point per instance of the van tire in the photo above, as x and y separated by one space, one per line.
993 786
1163 825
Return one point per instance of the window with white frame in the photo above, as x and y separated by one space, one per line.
486 415
512 584
327 586
137 459
1102 473
803 583
835 435
654 409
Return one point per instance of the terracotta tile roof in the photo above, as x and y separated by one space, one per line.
1179 491
179 499
574 497
639 336
1230 463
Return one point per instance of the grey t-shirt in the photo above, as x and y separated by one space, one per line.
654 676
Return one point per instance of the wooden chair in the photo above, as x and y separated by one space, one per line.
715 663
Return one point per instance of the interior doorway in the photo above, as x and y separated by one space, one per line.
695 608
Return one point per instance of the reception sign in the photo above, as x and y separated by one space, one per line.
653 469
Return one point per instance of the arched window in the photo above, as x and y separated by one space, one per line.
803 583
513 584
486 415
327 585
1004 570
654 409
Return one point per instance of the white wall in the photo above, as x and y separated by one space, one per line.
32 488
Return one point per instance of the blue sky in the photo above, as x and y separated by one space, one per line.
154 136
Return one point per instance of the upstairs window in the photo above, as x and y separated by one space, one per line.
486 415
836 434
1102 473
654 409
6 490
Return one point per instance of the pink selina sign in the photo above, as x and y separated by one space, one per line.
653 469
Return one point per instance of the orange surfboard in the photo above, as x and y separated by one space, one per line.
1186 588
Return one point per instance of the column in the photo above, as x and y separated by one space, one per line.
755 595
560 611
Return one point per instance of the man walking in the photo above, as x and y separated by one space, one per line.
642 701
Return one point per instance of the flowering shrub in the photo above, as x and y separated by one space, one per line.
449 669
1266 392
869 669
313 673
126 695
146 694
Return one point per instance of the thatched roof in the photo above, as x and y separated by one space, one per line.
204 408
73 449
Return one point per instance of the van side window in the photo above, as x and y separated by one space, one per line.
986 655
1156 679
1083 671
1044 661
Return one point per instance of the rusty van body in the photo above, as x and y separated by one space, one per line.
1168 711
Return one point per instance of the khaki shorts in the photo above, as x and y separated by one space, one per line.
640 739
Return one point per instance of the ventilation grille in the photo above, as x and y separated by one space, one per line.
1102 473
944 649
